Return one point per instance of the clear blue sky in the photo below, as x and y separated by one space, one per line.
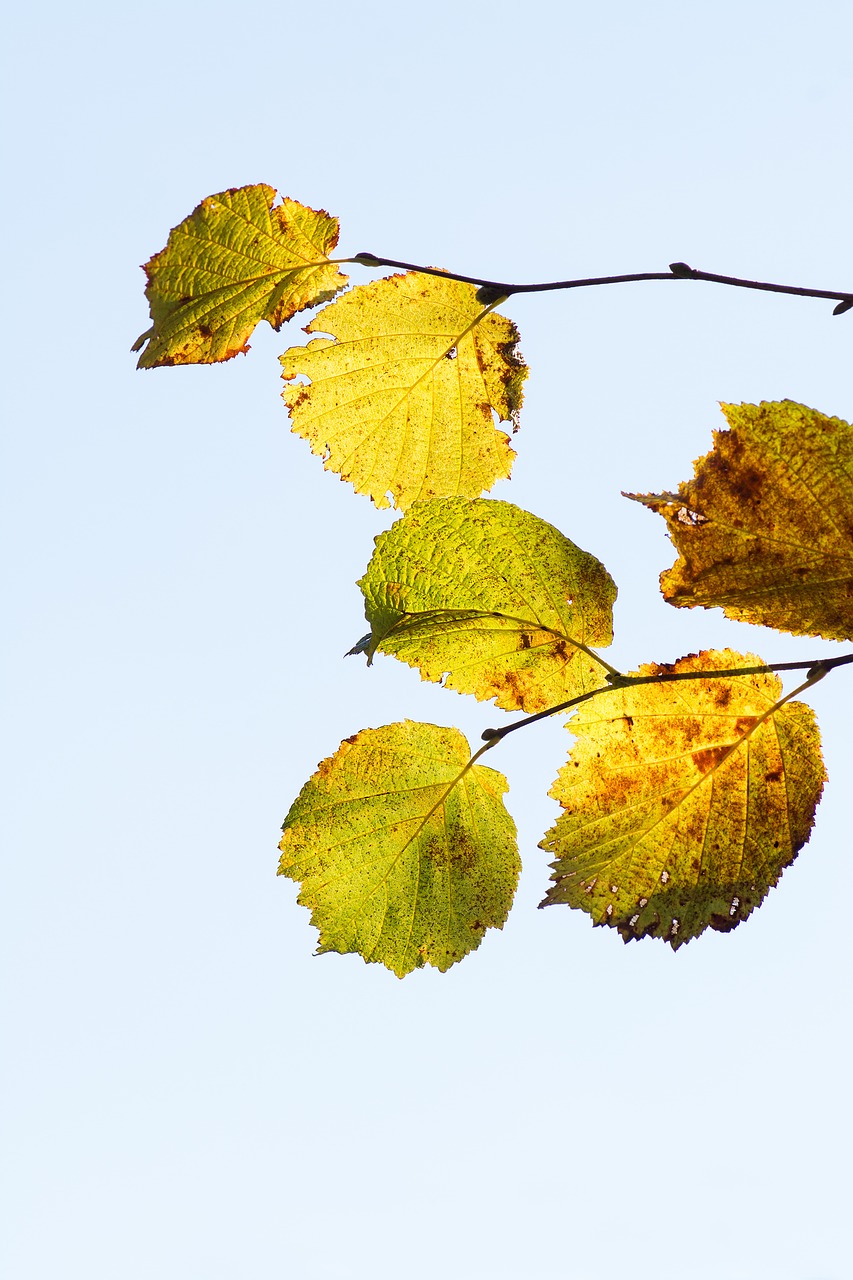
192 1095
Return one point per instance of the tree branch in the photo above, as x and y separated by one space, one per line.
816 671
491 291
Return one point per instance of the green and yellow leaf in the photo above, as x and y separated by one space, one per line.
683 802
491 600
765 528
406 855
236 260
401 396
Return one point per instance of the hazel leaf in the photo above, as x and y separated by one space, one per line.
236 260
401 396
406 855
683 802
764 530
489 600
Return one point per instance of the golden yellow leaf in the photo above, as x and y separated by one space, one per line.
765 529
236 260
684 802
401 397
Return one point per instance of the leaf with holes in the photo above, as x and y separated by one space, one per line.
406 855
401 397
684 802
490 599
236 260
765 528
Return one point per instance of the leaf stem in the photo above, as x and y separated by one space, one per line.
495 290
816 671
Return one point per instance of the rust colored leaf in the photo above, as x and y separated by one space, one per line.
765 528
684 802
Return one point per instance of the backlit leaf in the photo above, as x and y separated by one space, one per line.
682 802
765 529
491 599
405 855
401 398
236 260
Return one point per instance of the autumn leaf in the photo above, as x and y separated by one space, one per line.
765 529
683 802
491 600
406 856
236 260
401 397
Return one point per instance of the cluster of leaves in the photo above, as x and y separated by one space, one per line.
691 786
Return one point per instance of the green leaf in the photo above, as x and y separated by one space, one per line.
400 403
765 529
236 260
684 802
491 600
405 853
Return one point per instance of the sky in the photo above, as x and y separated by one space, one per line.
189 1091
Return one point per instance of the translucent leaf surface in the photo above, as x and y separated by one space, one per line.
400 403
682 804
405 856
236 260
492 599
765 529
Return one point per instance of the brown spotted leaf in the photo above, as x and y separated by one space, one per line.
683 802
236 260
765 528
401 398
406 854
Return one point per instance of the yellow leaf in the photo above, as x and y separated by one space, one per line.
491 600
401 402
765 529
684 802
406 853
236 260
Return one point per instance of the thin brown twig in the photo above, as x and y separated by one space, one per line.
816 670
492 290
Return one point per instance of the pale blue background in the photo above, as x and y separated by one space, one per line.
191 1095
